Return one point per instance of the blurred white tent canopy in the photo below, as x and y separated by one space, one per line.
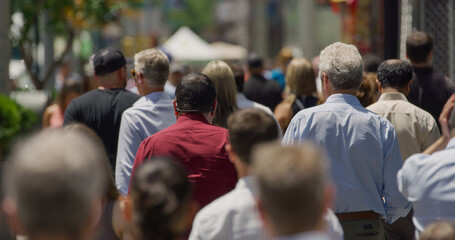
185 45
228 51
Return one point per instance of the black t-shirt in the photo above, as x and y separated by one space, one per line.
263 91
101 110
430 90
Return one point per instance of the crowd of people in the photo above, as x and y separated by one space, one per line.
320 149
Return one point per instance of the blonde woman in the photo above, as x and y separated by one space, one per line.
226 91
301 89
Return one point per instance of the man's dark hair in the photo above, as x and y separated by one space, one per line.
195 93
418 46
394 73
239 76
249 127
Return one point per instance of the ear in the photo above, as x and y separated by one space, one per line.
329 195
408 87
212 112
231 154
175 108
379 85
326 89
10 208
126 207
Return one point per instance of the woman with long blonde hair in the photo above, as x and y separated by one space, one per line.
301 90
226 91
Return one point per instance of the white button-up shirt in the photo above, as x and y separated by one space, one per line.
428 181
234 216
150 114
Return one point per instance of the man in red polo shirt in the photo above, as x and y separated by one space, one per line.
194 141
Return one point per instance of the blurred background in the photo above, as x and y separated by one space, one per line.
44 42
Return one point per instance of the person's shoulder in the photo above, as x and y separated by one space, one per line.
237 200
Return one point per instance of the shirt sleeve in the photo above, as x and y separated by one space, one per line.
396 205
292 135
141 153
433 135
128 144
407 174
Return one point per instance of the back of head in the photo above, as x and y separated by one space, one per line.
394 73
441 230
254 61
54 179
342 64
161 196
249 127
109 189
418 46
291 184
70 87
108 60
226 90
239 76
154 66
300 77
371 63
195 93
284 56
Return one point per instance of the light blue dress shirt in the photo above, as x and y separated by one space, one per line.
428 181
150 114
363 151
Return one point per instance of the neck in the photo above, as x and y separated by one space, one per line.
104 86
391 90
242 170
149 90
207 116
344 91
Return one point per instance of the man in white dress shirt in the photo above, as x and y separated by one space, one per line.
293 190
234 215
427 179
152 113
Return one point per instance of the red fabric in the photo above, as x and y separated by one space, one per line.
201 148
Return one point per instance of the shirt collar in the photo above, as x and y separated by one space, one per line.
247 182
184 117
343 98
392 96
153 97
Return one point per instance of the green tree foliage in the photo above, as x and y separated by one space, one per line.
196 14
14 120
63 18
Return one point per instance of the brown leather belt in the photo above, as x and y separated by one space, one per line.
357 215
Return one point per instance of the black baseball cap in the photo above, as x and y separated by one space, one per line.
254 60
108 60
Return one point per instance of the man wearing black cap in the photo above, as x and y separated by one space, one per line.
258 88
101 109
